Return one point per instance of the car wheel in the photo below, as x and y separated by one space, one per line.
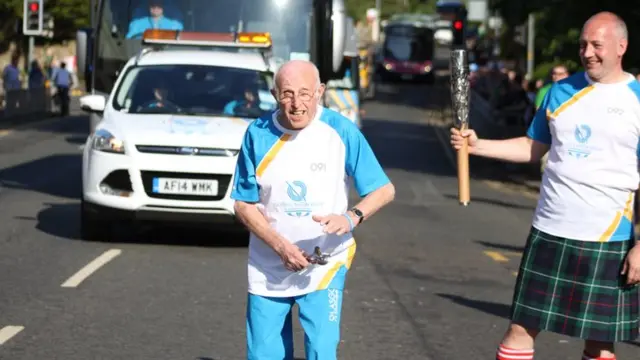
92 228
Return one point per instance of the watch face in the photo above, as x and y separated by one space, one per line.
357 212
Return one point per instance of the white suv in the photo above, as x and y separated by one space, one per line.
167 146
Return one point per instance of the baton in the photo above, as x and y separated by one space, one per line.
459 68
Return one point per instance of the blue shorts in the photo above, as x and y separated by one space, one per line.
270 326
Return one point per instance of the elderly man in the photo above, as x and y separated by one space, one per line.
580 269
291 192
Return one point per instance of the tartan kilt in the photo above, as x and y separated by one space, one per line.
575 288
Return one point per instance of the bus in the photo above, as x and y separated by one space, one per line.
407 51
300 29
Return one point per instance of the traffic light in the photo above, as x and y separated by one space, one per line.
458 32
32 23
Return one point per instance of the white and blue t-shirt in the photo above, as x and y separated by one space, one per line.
591 175
293 175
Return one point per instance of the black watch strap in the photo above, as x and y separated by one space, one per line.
358 213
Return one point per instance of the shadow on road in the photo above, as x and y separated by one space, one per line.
497 246
492 308
73 124
37 176
77 139
63 221
501 310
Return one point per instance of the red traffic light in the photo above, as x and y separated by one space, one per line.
34 6
457 25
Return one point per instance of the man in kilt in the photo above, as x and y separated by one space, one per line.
580 270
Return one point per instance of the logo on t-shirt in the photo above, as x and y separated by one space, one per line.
582 134
297 192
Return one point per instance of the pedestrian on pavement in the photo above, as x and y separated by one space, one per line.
63 81
12 83
580 270
36 76
291 192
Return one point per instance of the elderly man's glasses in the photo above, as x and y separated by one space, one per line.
304 95
288 97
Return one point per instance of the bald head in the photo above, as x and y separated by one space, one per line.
300 69
609 20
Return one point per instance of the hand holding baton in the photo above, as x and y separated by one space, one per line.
460 92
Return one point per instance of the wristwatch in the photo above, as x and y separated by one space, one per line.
358 213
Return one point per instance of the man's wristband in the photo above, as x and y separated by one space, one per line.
351 224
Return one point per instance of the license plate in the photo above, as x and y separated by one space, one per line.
185 186
406 77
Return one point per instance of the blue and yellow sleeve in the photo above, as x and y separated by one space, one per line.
245 184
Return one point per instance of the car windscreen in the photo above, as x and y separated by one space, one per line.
407 43
195 90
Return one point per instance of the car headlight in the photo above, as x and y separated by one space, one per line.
105 141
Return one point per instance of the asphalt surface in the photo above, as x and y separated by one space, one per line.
431 279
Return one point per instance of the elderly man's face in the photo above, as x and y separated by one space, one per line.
298 93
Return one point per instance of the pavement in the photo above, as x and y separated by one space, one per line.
430 280
10 123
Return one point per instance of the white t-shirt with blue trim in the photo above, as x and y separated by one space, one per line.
591 176
293 175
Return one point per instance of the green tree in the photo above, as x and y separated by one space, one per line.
10 12
358 8
559 23
68 16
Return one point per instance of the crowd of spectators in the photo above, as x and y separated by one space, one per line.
513 98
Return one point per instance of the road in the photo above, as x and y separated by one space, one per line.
431 279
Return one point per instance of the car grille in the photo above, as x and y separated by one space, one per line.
148 176
185 150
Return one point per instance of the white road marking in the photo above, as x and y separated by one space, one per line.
91 267
8 332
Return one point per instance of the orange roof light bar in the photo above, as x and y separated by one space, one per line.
155 34
197 36
174 37
255 38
